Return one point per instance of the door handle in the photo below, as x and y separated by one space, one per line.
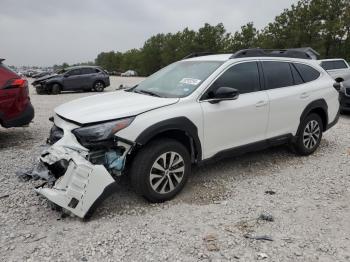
304 95
261 103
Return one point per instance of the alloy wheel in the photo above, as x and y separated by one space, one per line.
167 172
311 134
98 87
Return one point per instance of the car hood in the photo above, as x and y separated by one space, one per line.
45 77
110 106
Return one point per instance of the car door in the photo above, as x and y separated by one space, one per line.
87 77
288 95
72 80
233 123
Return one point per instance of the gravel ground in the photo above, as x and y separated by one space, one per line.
213 219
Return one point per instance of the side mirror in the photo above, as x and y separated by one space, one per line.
339 80
66 75
223 93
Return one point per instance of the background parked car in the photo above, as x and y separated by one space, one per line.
344 96
129 73
41 74
86 78
338 68
15 106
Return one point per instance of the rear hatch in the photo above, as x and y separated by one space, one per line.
14 93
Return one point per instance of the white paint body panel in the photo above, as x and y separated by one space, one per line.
110 106
234 123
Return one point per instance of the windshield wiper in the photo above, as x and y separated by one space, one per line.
146 92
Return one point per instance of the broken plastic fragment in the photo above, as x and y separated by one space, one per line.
114 160
40 171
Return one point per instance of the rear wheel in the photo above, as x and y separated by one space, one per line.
99 86
160 170
309 135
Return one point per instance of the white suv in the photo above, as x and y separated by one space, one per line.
194 110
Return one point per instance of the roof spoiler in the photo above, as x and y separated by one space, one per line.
257 52
1 59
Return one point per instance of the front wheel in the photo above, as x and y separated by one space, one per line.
309 135
99 86
40 90
160 170
56 89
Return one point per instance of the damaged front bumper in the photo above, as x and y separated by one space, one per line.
81 188
81 183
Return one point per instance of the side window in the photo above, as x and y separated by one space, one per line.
244 77
296 76
74 72
277 74
86 71
307 72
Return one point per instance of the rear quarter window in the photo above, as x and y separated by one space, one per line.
306 72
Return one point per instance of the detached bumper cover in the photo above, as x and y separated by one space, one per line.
82 186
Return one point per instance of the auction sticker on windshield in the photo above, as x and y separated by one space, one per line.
190 81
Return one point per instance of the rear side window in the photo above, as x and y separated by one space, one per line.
335 64
244 77
85 71
277 74
306 72
5 75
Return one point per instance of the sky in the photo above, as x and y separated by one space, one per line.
47 32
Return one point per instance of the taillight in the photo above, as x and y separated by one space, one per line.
19 82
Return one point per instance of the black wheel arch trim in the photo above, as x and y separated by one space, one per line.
319 103
177 124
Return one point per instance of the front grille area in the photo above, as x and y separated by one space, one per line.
56 134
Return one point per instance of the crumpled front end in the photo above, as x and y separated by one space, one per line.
82 177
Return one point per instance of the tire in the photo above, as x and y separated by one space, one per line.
99 86
148 175
39 90
56 89
307 142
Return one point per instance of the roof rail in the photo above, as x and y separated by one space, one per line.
255 52
197 54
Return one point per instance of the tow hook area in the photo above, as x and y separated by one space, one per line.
81 188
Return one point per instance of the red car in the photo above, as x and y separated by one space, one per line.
15 106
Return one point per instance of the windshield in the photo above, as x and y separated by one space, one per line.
179 79
60 71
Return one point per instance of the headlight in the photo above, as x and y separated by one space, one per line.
103 131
